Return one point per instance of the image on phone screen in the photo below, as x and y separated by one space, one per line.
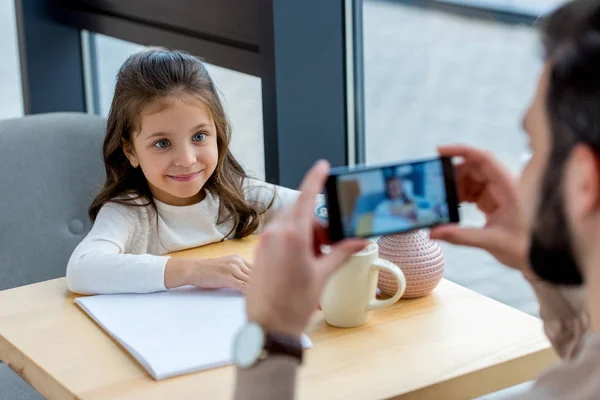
395 198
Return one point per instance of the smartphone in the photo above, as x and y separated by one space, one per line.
381 200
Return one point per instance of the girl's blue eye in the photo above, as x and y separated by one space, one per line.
198 137
162 144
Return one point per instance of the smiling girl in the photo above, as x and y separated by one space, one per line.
171 184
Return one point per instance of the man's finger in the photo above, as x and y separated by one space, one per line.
481 165
454 234
339 254
311 186
468 153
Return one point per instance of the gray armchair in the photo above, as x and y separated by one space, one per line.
50 167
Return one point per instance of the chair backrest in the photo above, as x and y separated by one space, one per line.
51 167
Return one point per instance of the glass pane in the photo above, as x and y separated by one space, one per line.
534 7
241 96
434 77
11 96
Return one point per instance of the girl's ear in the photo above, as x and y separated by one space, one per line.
130 154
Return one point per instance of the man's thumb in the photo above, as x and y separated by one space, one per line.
339 254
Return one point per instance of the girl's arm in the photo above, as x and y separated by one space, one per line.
99 264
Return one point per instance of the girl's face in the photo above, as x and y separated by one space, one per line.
176 148
394 188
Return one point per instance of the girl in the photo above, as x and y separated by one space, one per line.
171 184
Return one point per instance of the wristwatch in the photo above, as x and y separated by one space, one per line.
253 344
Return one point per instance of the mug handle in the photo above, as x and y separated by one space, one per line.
380 264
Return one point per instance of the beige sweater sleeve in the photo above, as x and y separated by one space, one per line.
564 312
576 379
270 379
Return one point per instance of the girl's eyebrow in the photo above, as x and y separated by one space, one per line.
200 126
194 129
155 134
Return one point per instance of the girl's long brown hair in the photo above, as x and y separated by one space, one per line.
160 74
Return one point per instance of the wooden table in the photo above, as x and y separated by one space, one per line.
454 344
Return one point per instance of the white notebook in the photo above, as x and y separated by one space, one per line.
174 332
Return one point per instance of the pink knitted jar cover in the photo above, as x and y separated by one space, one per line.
420 258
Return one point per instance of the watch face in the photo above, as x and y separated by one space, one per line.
249 345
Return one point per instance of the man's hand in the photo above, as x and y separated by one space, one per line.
290 271
481 179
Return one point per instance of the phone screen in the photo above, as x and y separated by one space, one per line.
395 198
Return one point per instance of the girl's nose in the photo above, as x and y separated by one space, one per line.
186 157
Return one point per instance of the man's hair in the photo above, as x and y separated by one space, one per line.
571 39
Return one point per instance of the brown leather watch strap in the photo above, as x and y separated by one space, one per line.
277 344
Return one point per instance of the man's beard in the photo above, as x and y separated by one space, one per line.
554 263
551 253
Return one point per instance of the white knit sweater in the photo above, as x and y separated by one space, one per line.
125 250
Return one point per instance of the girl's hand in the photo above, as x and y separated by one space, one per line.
212 273
223 272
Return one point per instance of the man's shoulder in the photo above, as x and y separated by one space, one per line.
576 379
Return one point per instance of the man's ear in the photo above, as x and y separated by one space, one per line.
582 182
130 154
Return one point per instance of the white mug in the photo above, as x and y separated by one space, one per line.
350 293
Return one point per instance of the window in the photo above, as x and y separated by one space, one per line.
11 96
434 76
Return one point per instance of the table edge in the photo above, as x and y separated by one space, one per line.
471 385
32 373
